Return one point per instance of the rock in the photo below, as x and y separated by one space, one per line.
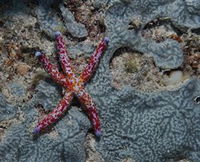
22 68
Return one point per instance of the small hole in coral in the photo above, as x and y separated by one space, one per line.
197 100
1 23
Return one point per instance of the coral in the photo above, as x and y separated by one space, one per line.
167 54
193 6
152 127
74 28
159 126
99 4
147 127
66 143
82 48
50 23
84 12
17 89
7 111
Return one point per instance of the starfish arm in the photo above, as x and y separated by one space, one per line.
90 108
94 60
55 114
63 55
52 70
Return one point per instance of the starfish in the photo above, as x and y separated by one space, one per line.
74 85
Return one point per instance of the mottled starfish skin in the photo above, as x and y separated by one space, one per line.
74 85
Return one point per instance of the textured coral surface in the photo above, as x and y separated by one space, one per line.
163 125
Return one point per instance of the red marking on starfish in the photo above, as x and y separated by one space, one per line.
74 85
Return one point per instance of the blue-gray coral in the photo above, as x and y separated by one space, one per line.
7 111
167 54
157 126
17 89
150 127
50 22
182 14
82 48
65 144
73 27
147 127
46 96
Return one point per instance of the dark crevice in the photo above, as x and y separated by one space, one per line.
72 38
1 23
28 50
197 100
45 35
102 27
168 72
135 25
196 31
176 29
75 102
2 127
156 22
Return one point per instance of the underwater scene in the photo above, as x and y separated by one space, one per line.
99 80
